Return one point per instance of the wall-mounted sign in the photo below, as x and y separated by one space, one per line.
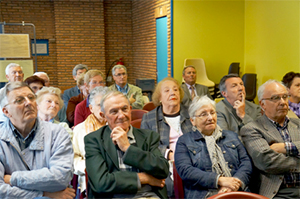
42 46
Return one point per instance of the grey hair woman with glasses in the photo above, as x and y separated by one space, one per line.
208 159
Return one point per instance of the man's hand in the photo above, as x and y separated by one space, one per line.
278 147
239 106
68 193
149 179
131 99
7 179
119 137
171 155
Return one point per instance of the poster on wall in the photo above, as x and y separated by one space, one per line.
42 47
14 46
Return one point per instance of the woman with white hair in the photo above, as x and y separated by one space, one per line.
208 159
92 123
49 103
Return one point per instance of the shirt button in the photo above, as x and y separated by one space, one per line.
231 166
274 192
233 145
224 151
194 152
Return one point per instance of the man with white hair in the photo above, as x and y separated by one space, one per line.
43 76
273 142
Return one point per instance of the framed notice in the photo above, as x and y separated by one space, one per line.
42 47
14 46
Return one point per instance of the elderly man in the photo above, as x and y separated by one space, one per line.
234 111
133 93
273 142
190 88
43 76
36 157
122 161
74 91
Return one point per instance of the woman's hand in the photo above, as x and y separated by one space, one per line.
232 183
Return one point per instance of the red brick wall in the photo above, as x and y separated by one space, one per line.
92 32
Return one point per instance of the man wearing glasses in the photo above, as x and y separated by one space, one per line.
234 111
36 157
133 93
273 142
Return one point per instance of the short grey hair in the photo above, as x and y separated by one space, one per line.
109 95
189 66
49 90
11 65
198 102
118 67
10 87
97 91
41 73
222 85
79 67
261 89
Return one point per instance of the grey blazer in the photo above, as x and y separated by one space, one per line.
257 137
187 98
228 119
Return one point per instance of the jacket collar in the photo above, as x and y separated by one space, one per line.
183 113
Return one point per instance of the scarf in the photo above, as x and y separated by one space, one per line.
91 123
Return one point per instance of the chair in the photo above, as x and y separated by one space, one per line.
137 114
250 80
136 123
234 68
178 185
149 106
201 73
86 183
217 100
237 195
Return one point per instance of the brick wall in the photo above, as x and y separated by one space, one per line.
92 32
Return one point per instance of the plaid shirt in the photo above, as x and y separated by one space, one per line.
295 108
291 150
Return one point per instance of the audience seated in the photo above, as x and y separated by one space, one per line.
190 87
43 76
76 100
92 79
234 111
292 81
74 91
92 123
35 83
208 159
123 161
133 93
36 156
48 103
13 73
169 119
273 142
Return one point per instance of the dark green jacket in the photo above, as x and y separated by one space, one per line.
104 175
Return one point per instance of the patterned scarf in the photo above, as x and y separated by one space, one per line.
92 123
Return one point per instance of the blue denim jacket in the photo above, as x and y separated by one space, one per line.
194 165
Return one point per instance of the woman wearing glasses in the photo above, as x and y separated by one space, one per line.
208 159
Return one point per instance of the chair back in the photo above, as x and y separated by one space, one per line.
250 80
201 71
237 195
137 114
234 68
178 185
136 123
149 106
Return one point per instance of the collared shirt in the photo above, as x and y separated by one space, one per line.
295 108
23 142
291 150
123 90
190 89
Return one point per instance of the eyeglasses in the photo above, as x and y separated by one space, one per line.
205 115
120 74
98 83
276 98
22 99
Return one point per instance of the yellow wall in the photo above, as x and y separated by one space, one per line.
262 35
212 30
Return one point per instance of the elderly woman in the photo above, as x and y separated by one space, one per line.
292 81
92 123
208 159
35 83
170 119
49 102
